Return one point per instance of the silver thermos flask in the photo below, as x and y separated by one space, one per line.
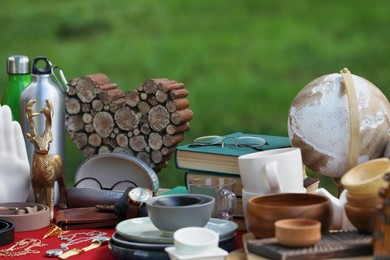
41 89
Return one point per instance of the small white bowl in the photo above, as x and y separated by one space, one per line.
195 240
192 243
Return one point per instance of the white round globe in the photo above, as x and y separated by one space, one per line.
319 122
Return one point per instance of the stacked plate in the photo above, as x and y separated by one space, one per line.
138 238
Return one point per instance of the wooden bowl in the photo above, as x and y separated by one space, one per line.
263 212
362 218
366 177
370 200
297 232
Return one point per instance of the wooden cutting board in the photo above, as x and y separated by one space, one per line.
332 245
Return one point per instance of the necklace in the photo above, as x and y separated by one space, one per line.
22 247
54 231
76 238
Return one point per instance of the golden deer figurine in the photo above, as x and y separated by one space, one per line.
46 169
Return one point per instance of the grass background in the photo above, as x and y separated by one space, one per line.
243 62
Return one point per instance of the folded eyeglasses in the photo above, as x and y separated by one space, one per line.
242 141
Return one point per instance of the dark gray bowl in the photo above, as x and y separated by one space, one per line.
172 212
178 201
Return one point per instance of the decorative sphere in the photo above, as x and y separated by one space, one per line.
319 123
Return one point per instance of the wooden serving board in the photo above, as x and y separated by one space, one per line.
332 245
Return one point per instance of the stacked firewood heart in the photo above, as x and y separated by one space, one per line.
148 122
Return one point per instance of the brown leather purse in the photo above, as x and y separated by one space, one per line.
83 218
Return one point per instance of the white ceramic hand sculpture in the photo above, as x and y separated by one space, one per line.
14 166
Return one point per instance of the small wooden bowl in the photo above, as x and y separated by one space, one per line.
363 219
367 177
371 200
297 232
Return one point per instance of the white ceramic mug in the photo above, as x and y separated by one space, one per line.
272 171
245 198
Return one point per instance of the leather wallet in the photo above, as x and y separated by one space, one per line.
87 217
87 197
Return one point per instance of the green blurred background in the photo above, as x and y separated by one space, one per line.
243 62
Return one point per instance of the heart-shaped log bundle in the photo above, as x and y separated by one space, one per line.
148 122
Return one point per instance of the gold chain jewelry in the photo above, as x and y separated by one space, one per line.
22 247
76 238
95 244
72 239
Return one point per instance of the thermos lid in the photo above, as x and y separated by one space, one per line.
18 64
38 70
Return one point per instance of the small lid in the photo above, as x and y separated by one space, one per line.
37 69
18 64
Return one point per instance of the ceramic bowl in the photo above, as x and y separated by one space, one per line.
172 212
297 232
193 240
178 201
196 243
263 212
371 200
363 219
366 178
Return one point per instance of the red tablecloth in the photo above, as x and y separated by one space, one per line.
53 242
102 252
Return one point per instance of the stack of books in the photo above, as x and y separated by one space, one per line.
216 161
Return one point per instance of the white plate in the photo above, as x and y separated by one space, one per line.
143 230
120 241
110 168
228 243
213 254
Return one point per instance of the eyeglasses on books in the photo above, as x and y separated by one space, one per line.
242 141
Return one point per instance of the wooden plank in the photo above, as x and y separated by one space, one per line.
334 244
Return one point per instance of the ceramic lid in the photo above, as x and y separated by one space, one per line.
111 168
